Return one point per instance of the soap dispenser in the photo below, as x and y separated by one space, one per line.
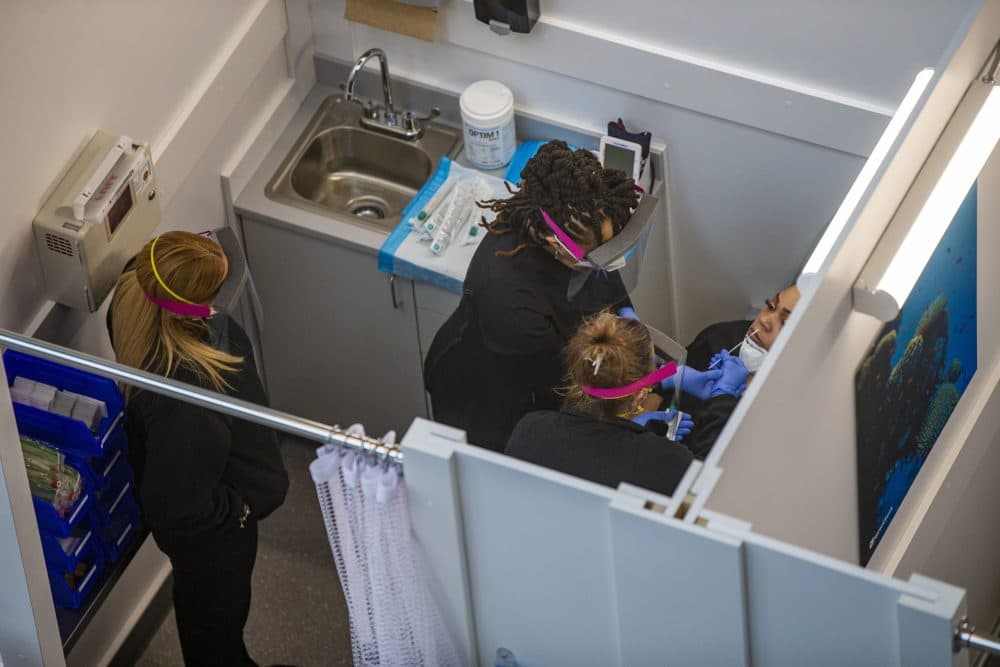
506 16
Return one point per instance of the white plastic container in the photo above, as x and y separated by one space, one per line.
488 124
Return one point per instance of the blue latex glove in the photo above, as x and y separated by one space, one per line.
628 312
683 429
734 376
697 383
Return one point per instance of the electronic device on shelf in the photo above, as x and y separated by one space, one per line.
99 215
623 155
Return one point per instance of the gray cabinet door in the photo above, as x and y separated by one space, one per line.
337 346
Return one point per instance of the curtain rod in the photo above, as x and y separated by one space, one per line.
280 421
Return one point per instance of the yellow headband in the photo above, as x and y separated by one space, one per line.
156 273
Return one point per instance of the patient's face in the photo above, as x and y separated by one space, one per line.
772 316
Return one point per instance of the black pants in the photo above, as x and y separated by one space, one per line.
212 595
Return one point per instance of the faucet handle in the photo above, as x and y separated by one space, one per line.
434 113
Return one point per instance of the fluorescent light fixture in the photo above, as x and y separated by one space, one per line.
939 208
864 179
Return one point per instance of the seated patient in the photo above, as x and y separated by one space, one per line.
610 367
755 338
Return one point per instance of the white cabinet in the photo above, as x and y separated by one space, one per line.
340 342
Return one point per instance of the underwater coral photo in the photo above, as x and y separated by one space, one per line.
913 375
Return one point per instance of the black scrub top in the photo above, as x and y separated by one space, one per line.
499 355
605 452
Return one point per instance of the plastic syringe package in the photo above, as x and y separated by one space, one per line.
440 229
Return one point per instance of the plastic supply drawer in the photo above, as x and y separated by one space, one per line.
62 526
97 470
65 433
71 587
120 529
65 553
118 489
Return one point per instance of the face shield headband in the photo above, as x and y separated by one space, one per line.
179 305
665 348
616 254
231 286
648 380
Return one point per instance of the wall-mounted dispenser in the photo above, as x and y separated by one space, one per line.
507 16
98 217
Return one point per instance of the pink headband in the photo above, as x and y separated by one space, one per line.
182 309
660 374
563 237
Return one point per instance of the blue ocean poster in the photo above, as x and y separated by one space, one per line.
913 375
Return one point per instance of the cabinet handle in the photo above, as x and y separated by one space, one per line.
392 290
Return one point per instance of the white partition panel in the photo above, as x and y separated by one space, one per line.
666 615
805 608
565 572
539 564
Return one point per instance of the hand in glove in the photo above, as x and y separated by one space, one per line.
697 383
734 376
683 429
628 312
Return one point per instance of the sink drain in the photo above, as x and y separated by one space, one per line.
367 207
368 211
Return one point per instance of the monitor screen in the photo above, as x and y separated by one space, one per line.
616 157
120 209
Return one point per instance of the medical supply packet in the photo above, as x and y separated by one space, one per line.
440 229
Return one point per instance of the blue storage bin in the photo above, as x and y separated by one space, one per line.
71 596
61 559
50 521
120 529
69 435
97 470
118 487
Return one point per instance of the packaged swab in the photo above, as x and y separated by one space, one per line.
20 391
455 216
63 405
42 396
435 201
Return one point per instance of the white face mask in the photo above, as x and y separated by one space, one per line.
751 354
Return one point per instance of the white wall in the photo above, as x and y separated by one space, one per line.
765 108
788 455
200 81
191 78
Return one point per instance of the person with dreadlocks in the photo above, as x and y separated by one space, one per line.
498 355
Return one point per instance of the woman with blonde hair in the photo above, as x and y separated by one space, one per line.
204 479
601 433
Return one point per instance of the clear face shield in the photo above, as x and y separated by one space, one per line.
623 253
236 300
669 352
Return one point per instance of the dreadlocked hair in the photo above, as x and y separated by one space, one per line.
573 188
606 351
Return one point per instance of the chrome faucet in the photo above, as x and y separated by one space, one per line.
359 65
385 118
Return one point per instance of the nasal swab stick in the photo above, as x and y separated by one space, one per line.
731 350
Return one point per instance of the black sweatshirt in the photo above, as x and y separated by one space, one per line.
606 452
195 467
499 355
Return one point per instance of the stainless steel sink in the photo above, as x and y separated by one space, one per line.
337 167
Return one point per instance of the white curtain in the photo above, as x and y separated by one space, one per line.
394 620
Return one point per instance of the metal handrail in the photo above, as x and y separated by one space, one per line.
258 414
966 637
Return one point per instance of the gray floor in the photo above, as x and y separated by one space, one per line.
298 614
